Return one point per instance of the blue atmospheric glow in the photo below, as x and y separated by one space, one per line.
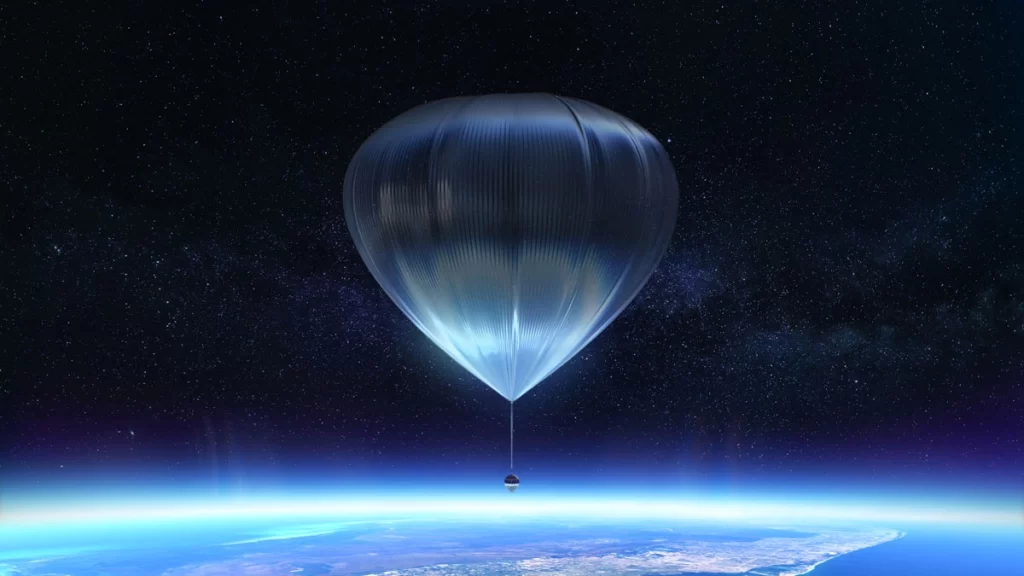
51 506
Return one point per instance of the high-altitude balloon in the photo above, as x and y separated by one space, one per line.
511 228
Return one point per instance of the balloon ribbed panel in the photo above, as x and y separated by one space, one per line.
511 229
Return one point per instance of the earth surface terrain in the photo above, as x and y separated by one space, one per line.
422 547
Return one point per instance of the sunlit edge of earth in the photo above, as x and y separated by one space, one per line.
69 511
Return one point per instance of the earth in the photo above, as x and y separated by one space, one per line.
422 547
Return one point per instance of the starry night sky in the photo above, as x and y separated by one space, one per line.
843 297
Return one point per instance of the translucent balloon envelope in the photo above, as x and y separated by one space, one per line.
511 228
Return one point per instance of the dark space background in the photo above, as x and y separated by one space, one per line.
844 295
